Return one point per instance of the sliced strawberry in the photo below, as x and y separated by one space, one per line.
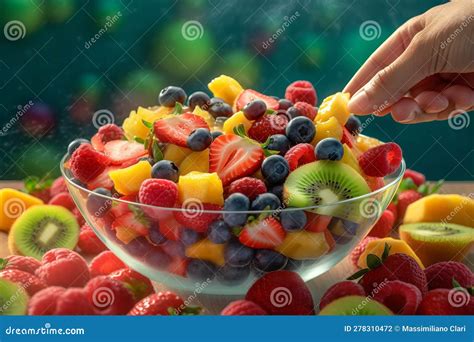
119 208
97 143
124 153
132 221
347 137
198 220
233 157
170 228
178 266
266 233
176 129
103 180
317 223
250 95
105 134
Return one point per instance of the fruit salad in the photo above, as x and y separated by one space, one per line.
235 184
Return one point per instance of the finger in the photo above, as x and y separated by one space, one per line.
461 96
405 110
432 102
433 82
386 54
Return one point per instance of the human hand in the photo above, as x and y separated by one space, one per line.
424 71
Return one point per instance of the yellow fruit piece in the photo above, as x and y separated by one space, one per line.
396 246
126 234
226 88
176 153
330 128
12 204
127 181
205 115
234 121
335 106
304 245
200 186
207 250
133 125
442 208
349 159
364 143
196 161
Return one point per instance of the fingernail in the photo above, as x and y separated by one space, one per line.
410 116
359 102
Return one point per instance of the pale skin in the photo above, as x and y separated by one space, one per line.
422 72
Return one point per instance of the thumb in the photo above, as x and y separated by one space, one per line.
392 82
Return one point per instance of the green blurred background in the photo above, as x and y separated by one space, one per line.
54 76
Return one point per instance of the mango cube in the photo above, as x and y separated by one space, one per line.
304 245
201 186
335 106
208 251
226 88
176 153
234 121
127 181
330 128
196 161
133 125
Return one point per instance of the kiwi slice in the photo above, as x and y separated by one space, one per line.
41 228
13 298
355 306
326 182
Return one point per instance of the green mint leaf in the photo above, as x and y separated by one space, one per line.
139 140
270 111
156 150
407 184
455 283
147 124
386 251
373 261
178 108
436 187
358 274
423 189
3 263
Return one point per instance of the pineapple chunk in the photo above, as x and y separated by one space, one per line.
196 161
327 129
207 250
234 121
226 88
127 181
201 186
335 106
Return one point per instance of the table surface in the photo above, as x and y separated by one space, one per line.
213 304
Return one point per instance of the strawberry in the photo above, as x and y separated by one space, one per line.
39 188
139 285
347 137
282 293
123 152
445 274
393 208
339 290
105 134
64 200
58 186
176 129
104 264
86 163
417 177
170 228
299 155
265 233
158 192
249 186
162 304
267 125
198 220
381 160
135 221
447 302
374 183
250 95
89 242
317 223
301 91
121 208
234 157
242 308
178 266
29 282
360 249
22 263
384 225
306 109
405 198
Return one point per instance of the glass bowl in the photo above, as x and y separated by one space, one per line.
332 232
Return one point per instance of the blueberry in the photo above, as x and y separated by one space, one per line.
189 236
170 95
155 257
199 139
74 145
230 275
238 255
278 142
350 226
201 270
220 109
139 247
155 236
236 202
78 182
267 260
353 125
266 201
284 104
219 232
174 249
148 159
293 112
165 169
300 130
275 169
329 149
215 134
277 190
215 100
199 98
293 220
97 205
254 109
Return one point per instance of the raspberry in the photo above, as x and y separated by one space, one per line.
299 155
22 263
339 290
43 303
73 302
88 242
77 214
58 186
242 308
417 177
384 225
393 208
441 275
360 249
249 186
139 285
405 198
381 160
105 263
199 220
110 132
158 192
161 303
446 302
86 164
63 267
109 296
64 200
28 281
306 109
266 126
301 91
400 297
